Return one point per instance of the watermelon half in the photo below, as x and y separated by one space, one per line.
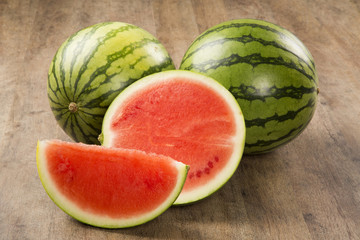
105 187
186 116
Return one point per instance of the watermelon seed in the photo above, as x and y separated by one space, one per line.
210 164
216 159
198 173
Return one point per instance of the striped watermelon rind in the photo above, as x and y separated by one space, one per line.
92 67
268 70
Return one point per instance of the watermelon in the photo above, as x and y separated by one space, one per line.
105 187
186 116
268 70
92 67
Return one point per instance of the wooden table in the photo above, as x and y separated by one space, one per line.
308 189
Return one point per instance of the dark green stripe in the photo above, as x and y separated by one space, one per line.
251 93
64 119
67 125
265 143
252 25
72 119
83 135
92 114
290 115
132 66
89 126
247 39
63 73
79 48
55 80
166 64
54 91
75 124
96 102
63 51
127 50
92 52
59 109
238 26
253 59
52 101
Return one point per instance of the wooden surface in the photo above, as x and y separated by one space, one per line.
308 189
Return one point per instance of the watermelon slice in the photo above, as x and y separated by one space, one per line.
106 187
186 116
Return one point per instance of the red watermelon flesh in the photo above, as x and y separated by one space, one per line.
183 115
108 187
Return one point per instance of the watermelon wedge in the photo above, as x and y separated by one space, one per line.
107 187
186 116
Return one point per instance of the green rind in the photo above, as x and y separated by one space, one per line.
93 66
77 214
267 69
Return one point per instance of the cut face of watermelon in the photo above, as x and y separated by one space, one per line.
106 187
186 116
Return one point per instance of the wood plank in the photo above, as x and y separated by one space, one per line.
176 36
307 189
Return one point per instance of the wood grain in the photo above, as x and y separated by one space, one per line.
308 189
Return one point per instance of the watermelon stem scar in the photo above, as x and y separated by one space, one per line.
73 107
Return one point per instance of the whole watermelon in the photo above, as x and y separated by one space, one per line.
268 70
92 67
